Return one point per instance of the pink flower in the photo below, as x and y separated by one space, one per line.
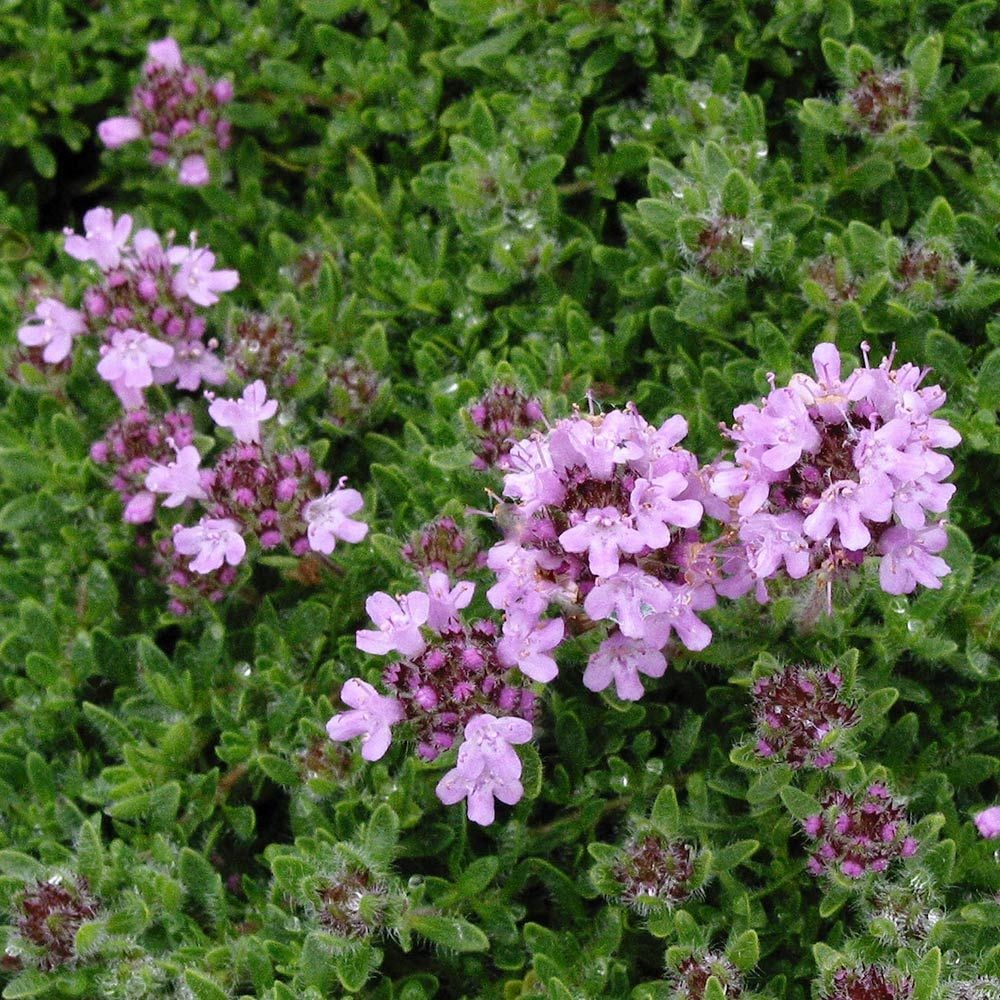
372 718
909 557
115 132
181 479
328 520
222 91
446 601
654 507
988 822
52 326
621 659
131 358
193 364
166 53
140 509
526 643
603 533
844 503
104 241
244 416
488 767
193 172
398 623
195 278
630 595
213 541
827 393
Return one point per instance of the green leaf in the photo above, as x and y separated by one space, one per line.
798 803
454 933
926 975
381 835
744 952
736 195
925 61
203 988
666 814
30 983
835 54
914 152
726 858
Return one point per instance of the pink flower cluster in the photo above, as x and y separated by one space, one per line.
501 416
798 712
858 833
450 680
176 107
829 470
602 525
147 308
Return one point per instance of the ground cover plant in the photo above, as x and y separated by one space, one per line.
498 500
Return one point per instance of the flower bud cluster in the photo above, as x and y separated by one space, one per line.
177 108
903 913
868 982
652 868
148 308
47 917
352 903
798 713
603 526
355 389
132 446
261 346
690 978
880 100
501 416
829 471
441 546
858 833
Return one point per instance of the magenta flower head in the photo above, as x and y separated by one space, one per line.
329 519
831 470
52 326
988 822
398 624
244 416
501 416
488 767
104 240
212 542
372 717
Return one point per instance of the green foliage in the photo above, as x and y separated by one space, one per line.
631 200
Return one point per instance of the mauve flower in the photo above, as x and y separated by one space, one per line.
654 506
621 659
193 172
526 643
603 533
195 278
398 624
446 601
118 131
53 326
131 358
784 426
844 503
140 509
988 822
371 718
909 557
104 239
244 416
630 596
213 541
830 396
181 479
328 518
166 53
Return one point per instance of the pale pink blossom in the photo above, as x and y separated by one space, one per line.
446 601
195 279
212 542
131 358
193 172
104 240
181 479
117 131
372 717
53 326
166 53
328 518
621 660
244 416
398 623
988 822
526 644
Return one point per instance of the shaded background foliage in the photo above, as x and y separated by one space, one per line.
648 201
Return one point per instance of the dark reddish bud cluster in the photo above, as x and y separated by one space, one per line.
859 833
935 266
262 346
502 415
693 973
132 445
881 100
905 912
724 247
457 676
869 982
795 711
653 867
354 390
351 904
441 545
834 277
49 914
